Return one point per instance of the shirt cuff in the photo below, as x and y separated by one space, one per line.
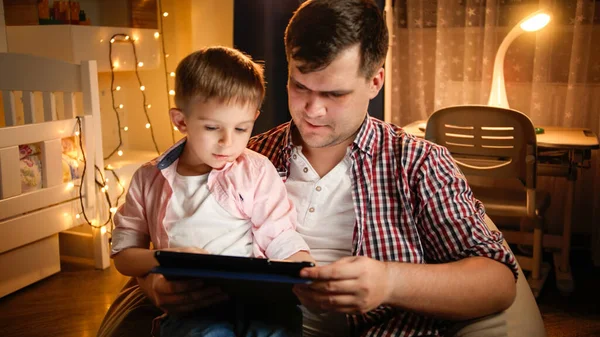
285 245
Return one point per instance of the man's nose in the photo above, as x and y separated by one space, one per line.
314 106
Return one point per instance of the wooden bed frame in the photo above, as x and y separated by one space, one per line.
30 222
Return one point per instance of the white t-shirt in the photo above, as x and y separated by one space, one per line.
194 218
326 220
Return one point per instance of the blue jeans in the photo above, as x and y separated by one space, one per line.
235 320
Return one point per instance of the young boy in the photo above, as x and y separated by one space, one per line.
208 193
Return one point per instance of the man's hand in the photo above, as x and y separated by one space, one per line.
179 296
350 285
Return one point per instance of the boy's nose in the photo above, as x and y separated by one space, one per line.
225 139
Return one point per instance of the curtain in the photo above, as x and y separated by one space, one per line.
443 53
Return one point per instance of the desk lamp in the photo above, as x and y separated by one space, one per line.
531 23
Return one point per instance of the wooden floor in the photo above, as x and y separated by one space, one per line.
73 302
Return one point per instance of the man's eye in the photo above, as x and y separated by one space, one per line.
299 87
335 95
210 128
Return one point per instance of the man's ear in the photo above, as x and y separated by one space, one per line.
178 119
376 83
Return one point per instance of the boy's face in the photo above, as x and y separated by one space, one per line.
217 132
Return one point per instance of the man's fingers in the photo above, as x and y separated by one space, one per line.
346 303
339 270
335 286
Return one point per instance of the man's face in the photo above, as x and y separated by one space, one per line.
328 106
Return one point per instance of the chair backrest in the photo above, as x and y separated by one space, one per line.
487 141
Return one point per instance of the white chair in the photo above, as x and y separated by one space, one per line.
495 147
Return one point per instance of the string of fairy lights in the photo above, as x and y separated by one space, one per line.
125 38
101 181
170 92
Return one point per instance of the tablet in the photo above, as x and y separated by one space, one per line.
243 277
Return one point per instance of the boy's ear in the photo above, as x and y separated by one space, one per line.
257 113
178 119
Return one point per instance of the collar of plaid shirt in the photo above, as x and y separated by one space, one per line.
412 205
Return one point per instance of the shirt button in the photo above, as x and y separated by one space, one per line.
318 188
295 156
312 209
305 169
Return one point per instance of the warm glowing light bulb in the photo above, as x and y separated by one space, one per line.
147 125
120 153
536 22
140 64
101 40
166 55
113 210
126 128
127 37
118 87
165 14
112 40
175 128
142 88
103 189
120 106
77 216
116 64
76 133
109 167
149 106
172 92
172 74
70 185
156 35
103 230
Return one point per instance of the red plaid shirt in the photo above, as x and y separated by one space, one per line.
412 205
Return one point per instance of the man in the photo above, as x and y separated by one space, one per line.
400 242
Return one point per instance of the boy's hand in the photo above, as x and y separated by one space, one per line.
179 296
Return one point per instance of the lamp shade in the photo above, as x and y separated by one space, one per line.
531 23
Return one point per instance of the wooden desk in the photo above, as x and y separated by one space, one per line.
561 152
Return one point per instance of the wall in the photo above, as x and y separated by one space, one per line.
2 29
190 25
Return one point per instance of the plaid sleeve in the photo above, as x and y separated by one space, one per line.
450 218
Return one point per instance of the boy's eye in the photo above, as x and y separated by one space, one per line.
241 129
210 128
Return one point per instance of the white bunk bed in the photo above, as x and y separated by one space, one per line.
31 218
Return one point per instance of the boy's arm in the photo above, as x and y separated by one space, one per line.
138 262
274 217
135 261
302 256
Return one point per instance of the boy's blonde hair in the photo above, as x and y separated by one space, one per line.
219 73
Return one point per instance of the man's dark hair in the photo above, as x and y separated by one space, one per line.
321 29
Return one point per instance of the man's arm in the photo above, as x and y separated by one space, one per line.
469 288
